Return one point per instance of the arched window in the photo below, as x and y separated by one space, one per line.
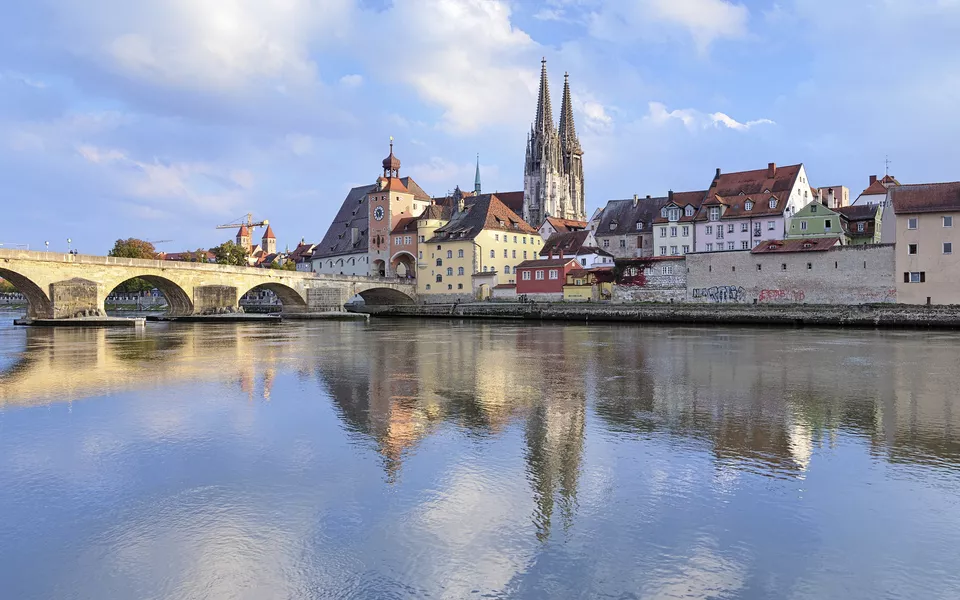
449 270
506 269
439 278
428 286
439 262
460 253
460 271
449 253
493 254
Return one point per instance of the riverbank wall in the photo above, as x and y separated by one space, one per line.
796 315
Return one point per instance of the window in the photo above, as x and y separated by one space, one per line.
428 287
813 207
493 254
449 270
748 205
730 228
686 249
613 226
663 212
459 253
398 240
554 274
730 246
860 227
783 266
419 255
773 203
525 276
459 270
623 243
606 243
496 237
719 232
449 286
485 269
771 225
803 225
514 239
506 269
639 225
688 211
915 277
744 228
524 255
514 252
828 224
809 266
506 254
663 250
714 213
449 253
525 240
912 249
948 221
663 232
686 231
948 247
439 262
709 229
673 251
673 232
912 223
666 270
744 245
422 240
439 278
674 214
407 239
459 286
759 267
709 247
539 273
756 229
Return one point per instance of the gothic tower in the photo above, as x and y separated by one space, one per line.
553 171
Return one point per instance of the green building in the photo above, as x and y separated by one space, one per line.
855 225
815 221
861 223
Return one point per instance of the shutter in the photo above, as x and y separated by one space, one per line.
906 277
923 276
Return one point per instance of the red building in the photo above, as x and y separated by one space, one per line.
544 279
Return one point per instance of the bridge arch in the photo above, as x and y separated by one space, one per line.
290 298
380 296
179 303
403 264
39 305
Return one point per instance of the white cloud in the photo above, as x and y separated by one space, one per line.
693 119
449 173
705 21
299 144
351 81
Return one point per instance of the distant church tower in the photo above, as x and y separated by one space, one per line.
553 171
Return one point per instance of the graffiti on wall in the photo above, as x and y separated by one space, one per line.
720 294
781 296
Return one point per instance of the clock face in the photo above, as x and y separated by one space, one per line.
378 213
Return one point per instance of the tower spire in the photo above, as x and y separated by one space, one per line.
476 180
568 130
544 109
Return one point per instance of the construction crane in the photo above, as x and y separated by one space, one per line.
249 223
155 242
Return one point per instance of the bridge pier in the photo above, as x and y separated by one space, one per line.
213 298
75 298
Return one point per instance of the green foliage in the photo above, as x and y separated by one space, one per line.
288 265
133 248
6 287
229 253
198 255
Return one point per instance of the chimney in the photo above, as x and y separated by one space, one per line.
648 196
831 201
636 200
354 235
670 196
771 170
873 179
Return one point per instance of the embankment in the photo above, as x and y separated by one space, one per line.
872 316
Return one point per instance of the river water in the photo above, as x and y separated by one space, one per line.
436 459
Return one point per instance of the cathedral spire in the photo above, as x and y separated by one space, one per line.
544 109
476 180
568 130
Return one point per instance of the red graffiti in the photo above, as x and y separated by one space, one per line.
781 296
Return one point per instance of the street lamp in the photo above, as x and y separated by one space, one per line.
68 245
47 244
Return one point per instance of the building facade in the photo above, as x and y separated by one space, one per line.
815 221
927 226
544 279
553 169
674 229
624 228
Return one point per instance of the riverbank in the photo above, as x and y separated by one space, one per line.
798 315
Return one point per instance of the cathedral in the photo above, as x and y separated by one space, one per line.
553 171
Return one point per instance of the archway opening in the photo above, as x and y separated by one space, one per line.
272 298
384 297
148 293
379 268
20 293
404 266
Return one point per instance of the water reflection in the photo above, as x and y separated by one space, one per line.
517 460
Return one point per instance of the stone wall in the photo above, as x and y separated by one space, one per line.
843 275
659 281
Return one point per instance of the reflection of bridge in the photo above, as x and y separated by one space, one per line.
63 285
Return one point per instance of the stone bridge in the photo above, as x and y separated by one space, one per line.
64 285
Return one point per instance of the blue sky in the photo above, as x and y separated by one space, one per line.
163 119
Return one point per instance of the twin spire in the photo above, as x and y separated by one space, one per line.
544 120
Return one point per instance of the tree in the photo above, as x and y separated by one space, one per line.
133 248
288 265
229 253
6 287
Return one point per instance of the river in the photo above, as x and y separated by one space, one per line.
448 459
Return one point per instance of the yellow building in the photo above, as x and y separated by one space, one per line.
473 235
928 231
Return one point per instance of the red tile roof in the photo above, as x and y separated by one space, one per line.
736 206
874 189
802 245
393 184
549 262
565 243
757 181
405 225
512 200
926 198
268 234
481 212
565 225
683 199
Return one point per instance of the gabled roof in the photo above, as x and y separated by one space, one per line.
548 262
795 245
623 216
393 184
480 212
565 243
875 189
302 251
859 212
682 200
757 181
353 213
565 225
435 212
925 198
736 206
405 225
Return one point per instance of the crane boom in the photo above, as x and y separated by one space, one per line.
249 223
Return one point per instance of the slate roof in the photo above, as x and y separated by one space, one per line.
512 200
859 212
925 198
486 211
435 212
565 243
302 252
623 215
797 245
353 213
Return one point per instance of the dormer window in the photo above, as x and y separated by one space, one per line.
808 245
674 214
773 203
714 213
613 226
772 247
689 211
663 212
748 205
639 225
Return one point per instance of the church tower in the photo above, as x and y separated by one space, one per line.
553 171
269 241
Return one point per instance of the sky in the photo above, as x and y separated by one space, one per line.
163 119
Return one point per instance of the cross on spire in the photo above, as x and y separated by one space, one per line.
544 120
